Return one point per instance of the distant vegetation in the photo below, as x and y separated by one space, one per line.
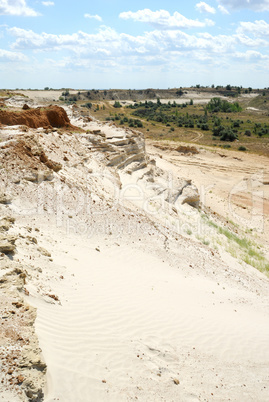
152 94
221 122
219 105
123 120
226 129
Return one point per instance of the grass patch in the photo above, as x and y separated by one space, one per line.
239 247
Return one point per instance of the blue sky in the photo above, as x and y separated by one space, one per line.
141 44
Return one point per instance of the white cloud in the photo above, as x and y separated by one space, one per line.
162 19
166 48
48 3
257 28
251 55
78 42
205 8
250 42
255 5
223 10
108 43
6 56
95 17
16 7
209 22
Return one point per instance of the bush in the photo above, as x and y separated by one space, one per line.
228 135
117 104
225 133
248 133
204 126
88 105
139 123
236 123
242 148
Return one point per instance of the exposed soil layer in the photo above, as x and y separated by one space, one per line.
26 159
52 116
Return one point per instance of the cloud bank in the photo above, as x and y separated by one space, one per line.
162 19
16 7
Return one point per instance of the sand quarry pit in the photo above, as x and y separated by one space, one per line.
135 297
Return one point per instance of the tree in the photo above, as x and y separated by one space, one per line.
65 93
179 92
218 105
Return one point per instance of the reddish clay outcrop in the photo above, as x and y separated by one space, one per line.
52 116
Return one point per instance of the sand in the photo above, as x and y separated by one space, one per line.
231 184
128 308
131 321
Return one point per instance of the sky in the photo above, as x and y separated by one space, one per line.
105 44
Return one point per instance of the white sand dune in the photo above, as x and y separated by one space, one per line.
130 323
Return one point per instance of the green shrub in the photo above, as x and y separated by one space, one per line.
87 105
228 135
218 105
225 133
117 104
236 123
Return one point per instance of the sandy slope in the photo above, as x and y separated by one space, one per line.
134 317
127 308
232 184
